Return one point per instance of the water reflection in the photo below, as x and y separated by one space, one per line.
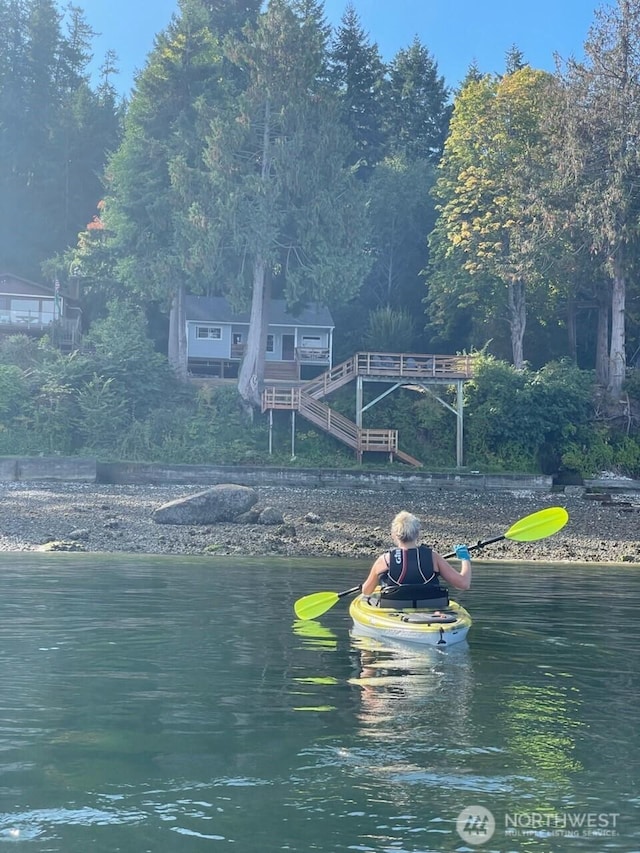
315 635
422 678
542 723
309 688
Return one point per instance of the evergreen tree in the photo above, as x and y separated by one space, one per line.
473 75
419 112
50 159
155 178
279 205
358 74
515 60
402 214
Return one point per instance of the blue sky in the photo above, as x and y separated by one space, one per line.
456 32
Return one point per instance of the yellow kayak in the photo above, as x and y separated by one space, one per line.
441 627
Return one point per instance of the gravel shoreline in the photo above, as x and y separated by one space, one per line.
318 522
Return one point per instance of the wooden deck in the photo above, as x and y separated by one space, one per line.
400 368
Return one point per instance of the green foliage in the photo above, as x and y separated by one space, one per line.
22 351
523 419
53 417
209 429
632 384
419 111
102 413
401 213
604 451
124 354
13 391
358 75
488 228
314 448
514 420
436 432
389 330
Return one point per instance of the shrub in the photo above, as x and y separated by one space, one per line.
526 419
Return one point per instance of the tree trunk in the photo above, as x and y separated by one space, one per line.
602 338
517 321
572 333
617 355
177 352
251 376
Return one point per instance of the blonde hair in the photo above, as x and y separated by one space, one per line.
405 527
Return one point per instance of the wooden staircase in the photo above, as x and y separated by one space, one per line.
360 439
332 422
306 398
332 379
406 457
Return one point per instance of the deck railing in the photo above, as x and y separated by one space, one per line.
317 355
414 365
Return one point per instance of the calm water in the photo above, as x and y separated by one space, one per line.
173 705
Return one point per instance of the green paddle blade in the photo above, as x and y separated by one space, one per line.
538 525
315 604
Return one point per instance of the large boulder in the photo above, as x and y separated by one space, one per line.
220 503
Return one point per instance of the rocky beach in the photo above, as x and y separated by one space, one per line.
314 522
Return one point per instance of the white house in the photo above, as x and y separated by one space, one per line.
298 346
34 309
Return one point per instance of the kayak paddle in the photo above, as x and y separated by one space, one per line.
532 527
538 525
310 606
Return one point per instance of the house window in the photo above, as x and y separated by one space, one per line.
212 333
237 338
269 343
26 310
312 342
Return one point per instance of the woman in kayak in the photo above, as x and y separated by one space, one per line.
412 565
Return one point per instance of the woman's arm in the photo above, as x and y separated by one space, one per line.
459 580
378 568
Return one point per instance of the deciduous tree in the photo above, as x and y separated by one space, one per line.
492 161
596 126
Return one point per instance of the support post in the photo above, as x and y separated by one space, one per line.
359 402
270 431
460 429
293 433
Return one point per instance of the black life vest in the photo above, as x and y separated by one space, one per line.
412 566
411 580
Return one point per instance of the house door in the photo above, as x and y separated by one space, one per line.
288 347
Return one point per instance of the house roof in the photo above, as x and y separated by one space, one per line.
216 309
10 283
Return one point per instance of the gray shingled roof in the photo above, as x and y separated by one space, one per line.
7 279
216 309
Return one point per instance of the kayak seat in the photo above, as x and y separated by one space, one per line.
413 596
430 618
